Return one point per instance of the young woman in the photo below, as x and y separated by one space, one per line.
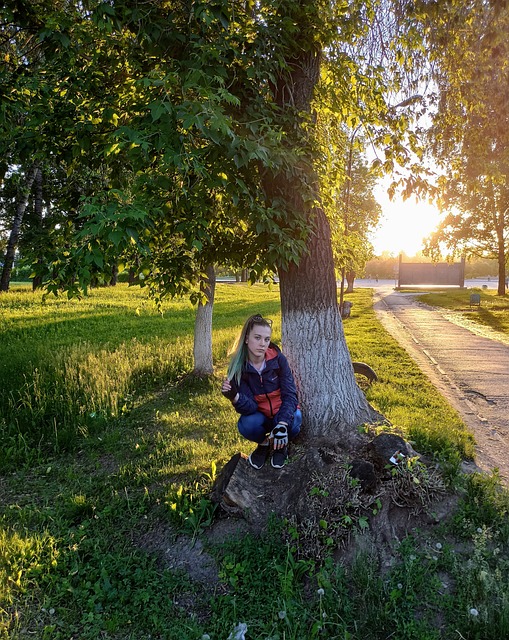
261 387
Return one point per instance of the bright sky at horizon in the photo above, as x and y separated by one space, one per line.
403 225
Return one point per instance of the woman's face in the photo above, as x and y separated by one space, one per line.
257 342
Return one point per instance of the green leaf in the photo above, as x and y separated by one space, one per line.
116 236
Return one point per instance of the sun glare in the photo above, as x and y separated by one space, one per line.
403 225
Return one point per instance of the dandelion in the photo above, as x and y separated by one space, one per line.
282 615
239 633
205 636
320 592
479 530
438 546
400 586
474 612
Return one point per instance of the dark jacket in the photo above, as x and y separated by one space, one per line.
272 392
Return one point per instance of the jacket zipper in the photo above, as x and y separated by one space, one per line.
268 398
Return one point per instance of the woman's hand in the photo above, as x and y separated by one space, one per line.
229 390
280 435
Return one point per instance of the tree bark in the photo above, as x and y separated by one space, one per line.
350 278
203 362
38 206
314 343
133 279
16 227
501 259
114 275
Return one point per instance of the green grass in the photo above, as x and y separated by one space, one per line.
493 311
68 368
77 512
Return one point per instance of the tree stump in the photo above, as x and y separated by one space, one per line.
328 492
255 494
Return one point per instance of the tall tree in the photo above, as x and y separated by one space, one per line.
316 61
357 213
12 243
191 106
470 132
202 349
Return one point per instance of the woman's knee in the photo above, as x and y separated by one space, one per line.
252 427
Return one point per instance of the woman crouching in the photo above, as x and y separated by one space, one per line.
261 387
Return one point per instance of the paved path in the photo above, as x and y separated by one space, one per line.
470 370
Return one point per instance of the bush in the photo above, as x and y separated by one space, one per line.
21 274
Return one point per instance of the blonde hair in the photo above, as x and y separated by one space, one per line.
238 352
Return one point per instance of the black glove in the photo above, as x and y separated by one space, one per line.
232 392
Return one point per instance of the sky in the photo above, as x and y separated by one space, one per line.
403 225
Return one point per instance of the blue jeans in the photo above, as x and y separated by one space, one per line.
256 426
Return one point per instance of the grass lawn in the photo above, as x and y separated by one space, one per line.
493 311
110 449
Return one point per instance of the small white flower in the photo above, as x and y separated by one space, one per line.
474 612
400 586
239 633
479 530
282 615
438 546
324 615
205 636
320 592
51 611
412 558
435 558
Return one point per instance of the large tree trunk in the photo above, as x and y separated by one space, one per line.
312 330
203 363
333 406
314 342
16 227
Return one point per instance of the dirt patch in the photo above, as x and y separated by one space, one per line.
179 553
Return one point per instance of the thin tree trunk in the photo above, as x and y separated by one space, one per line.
16 227
114 275
37 280
350 278
203 362
501 267
342 290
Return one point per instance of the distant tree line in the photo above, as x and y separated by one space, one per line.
385 266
